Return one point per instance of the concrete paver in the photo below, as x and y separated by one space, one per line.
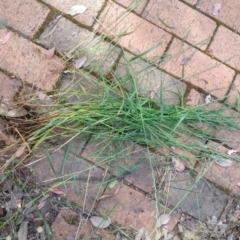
201 71
131 31
70 37
86 18
28 62
125 158
150 79
225 177
228 14
136 5
176 17
199 199
225 47
24 15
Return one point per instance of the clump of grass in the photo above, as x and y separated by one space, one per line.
103 108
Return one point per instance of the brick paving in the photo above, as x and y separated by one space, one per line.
187 29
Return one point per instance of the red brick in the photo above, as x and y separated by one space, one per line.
136 5
25 16
229 13
130 208
181 20
65 225
8 87
194 98
202 71
225 177
131 31
225 47
88 17
28 62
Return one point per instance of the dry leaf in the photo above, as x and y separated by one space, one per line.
77 9
185 61
142 234
6 38
19 203
230 152
23 230
100 222
216 9
49 53
80 62
109 195
178 164
20 151
44 97
9 109
163 220
56 191
225 163
139 234
208 99
41 204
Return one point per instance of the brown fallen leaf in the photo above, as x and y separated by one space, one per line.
49 53
100 222
23 230
163 219
77 9
19 203
56 191
225 163
80 62
6 38
141 234
41 204
178 164
230 152
10 109
216 9
20 151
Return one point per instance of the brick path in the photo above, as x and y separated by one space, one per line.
187 29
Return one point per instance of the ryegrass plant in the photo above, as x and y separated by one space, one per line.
104 109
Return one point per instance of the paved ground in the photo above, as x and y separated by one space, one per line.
193 32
